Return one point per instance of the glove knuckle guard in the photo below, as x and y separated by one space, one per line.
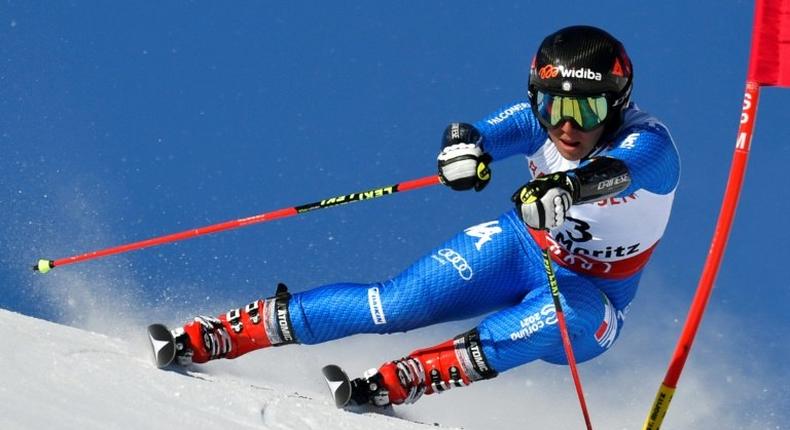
462 163
459 132
542 203
460 169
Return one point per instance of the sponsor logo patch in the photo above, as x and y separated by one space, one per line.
484 232
284 323
447 255
479 361
277 320
376 308
630 141
536 322
470 355
551 71
507 113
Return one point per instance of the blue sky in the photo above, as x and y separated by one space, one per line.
121 121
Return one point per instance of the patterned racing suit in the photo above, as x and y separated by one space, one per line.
496 267
599 254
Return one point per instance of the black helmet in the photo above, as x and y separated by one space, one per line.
581 61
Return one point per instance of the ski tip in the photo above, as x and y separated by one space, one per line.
163 344
338 383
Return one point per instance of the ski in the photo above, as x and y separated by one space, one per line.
339 384
163 344
355 395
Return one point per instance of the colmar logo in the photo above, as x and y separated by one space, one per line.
551 71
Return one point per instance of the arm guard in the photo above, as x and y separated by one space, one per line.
601 178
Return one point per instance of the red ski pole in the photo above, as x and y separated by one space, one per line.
45 265
542 241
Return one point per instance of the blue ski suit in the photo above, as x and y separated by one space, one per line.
496 267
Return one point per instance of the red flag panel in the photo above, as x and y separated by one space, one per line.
770 57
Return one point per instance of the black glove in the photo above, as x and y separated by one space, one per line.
462 163
543 202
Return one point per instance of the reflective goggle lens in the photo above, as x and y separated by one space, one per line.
587 112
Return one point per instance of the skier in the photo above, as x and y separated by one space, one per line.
604 176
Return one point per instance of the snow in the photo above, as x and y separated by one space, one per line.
55 376
59 377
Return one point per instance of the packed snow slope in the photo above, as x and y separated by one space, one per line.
60 377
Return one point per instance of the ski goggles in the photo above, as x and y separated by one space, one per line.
587 113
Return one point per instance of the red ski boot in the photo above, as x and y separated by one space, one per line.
258 325
455 363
